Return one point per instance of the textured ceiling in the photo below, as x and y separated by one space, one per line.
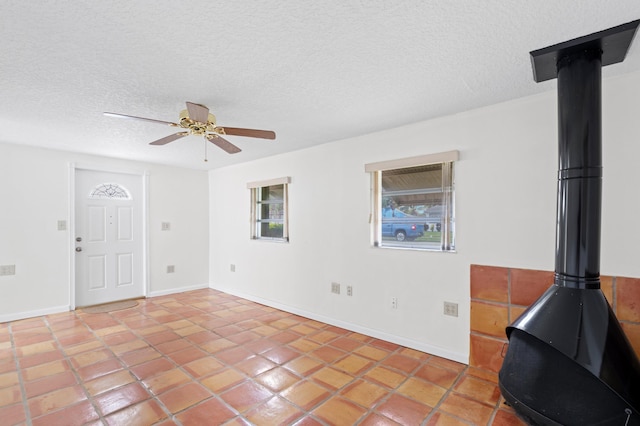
314 72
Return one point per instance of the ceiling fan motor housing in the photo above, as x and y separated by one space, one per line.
196 127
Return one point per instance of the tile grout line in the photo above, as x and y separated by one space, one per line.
301 377
140 382
76 374
361 375
99 338
389 394
214 395
155 397
337 392
331 393
23 392
447 393
171 416
276 365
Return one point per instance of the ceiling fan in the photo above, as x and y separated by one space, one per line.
197 120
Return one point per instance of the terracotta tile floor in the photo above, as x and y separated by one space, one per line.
206 357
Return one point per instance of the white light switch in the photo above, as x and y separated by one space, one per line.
166 226
62 225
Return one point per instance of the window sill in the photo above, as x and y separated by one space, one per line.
409 248
272 240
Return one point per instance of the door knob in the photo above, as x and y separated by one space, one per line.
78 249
78 239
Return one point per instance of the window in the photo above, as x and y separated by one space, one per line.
269 211
110 190
413 202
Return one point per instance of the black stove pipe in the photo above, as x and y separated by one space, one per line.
568 361
579 170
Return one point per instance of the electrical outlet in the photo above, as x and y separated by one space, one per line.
451 309
232 267
394 303
335 288
171 269
349 290
7 269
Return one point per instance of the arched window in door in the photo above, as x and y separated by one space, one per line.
111 191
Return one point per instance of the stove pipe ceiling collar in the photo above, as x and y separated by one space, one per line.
568 360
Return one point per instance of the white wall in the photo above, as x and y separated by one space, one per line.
34 195
505 216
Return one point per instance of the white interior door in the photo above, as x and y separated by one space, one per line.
109 237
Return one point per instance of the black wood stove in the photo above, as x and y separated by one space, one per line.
568 361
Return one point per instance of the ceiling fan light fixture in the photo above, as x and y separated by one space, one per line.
197 120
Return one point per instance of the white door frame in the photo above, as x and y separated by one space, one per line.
144 176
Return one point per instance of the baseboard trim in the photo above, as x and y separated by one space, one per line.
378 334
177 290
36 313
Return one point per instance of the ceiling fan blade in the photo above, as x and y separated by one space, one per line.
250 133
169 138
114 114
198 112
222 143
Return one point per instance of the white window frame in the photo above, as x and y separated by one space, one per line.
256 220
447 160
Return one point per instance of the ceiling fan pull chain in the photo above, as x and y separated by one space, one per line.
205 151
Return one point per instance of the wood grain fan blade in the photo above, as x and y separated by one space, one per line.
114 114
169 138
250 133
198 112
222 143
